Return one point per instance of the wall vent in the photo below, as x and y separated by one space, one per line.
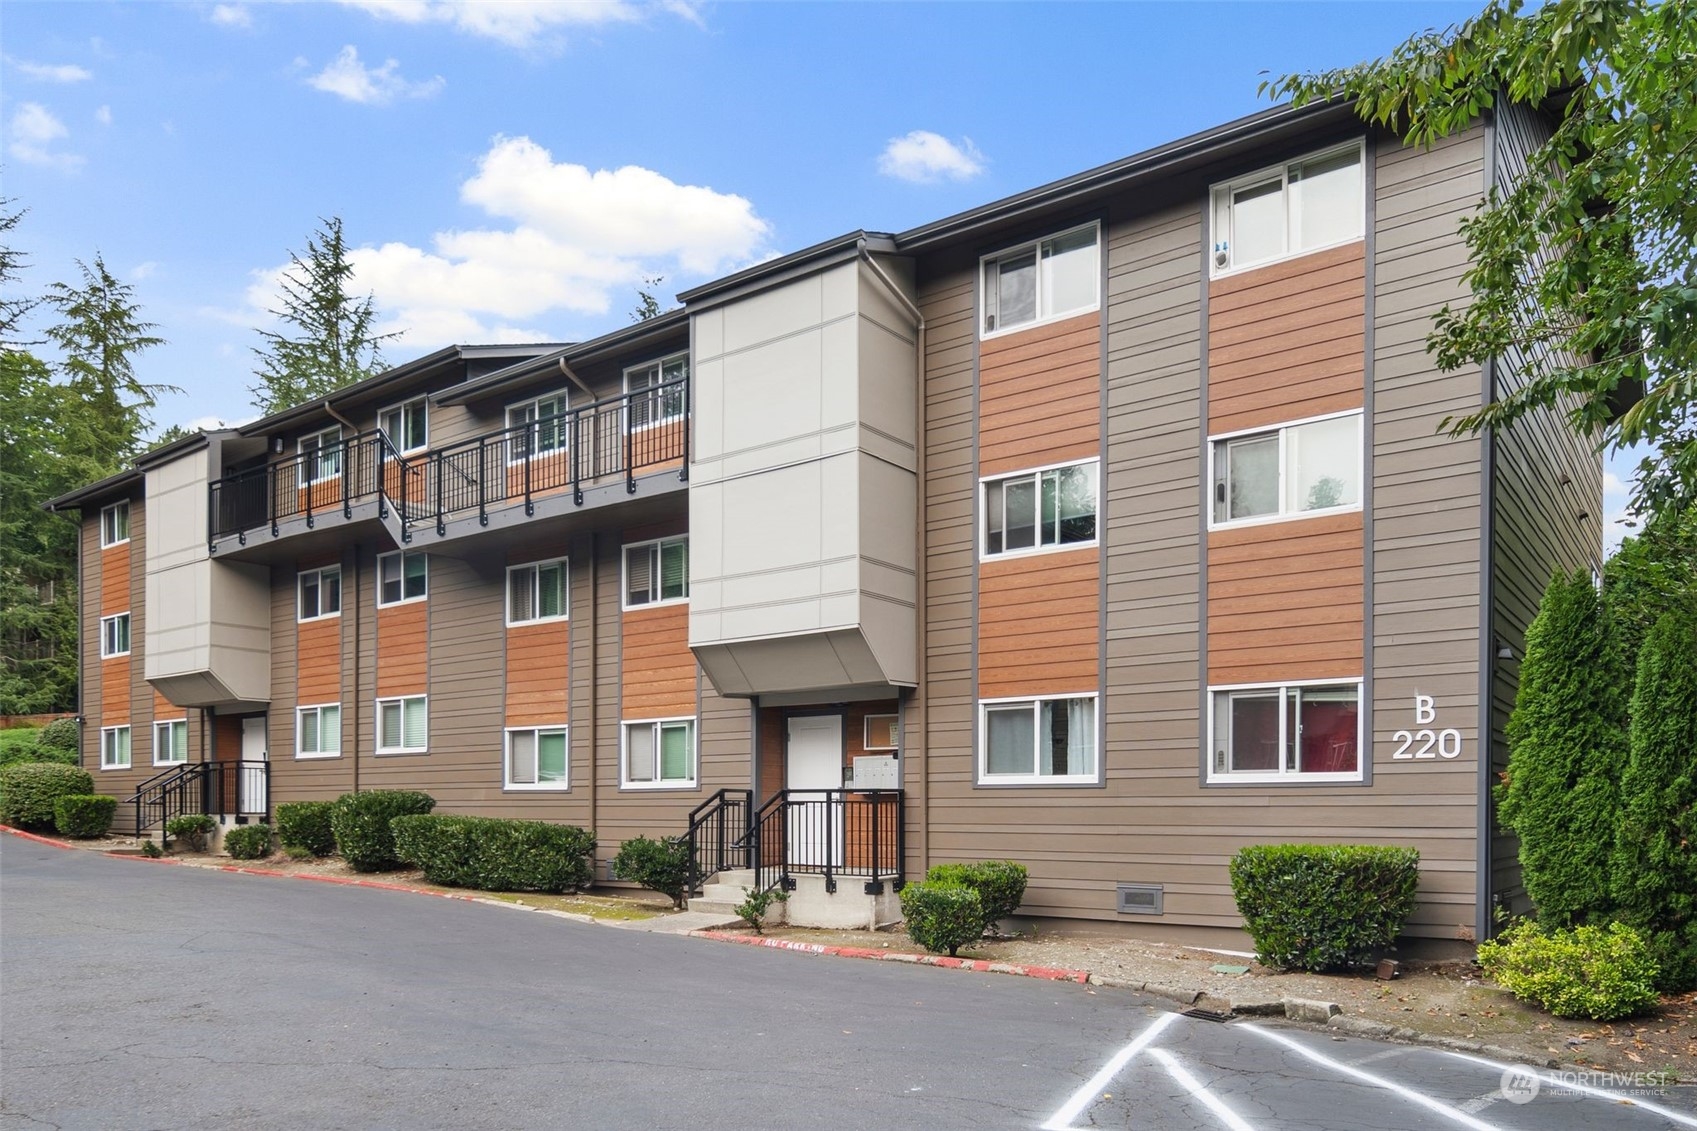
1138 899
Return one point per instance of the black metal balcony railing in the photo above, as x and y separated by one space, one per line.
581 447
217 789
834 833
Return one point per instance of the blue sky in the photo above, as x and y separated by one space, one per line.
513 171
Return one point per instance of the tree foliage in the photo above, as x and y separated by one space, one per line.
647 304
329 337
1649 573
1584 267
1567 747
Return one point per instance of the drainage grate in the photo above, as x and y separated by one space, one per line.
1202 1014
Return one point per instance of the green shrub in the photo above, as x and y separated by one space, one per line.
942 916
191 827
756 905
84 815
1583 972
1000 885
1323 907
659 865
28 791
248 842
496 855
62 738
306 825
361 824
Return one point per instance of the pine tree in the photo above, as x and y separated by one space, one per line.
1654 871
1567 747
332 343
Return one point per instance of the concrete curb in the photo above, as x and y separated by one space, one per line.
1379 1031
977 965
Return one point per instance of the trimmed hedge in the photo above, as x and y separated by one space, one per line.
29 790
1000 885
248 842
1320 907
84 815
942 916
659 865
58 741
361 824
493 854
192 827
306 825
1585 972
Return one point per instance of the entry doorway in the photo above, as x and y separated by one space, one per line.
813 765
254 799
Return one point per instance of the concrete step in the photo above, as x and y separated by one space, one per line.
726 908
735 877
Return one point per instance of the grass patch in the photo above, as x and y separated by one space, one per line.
17 738
595 906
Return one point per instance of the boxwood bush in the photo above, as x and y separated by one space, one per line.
942 916
29 790
1323 907
493 854
84 815
191 827
306 825
659 865
361 824
248 842
58 741
1000 885
1584 972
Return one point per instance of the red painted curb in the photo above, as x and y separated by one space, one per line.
978 965
37 839
345 882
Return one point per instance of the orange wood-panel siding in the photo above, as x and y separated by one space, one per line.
1286 601
658 673
1039 396
1287 341
1038 624
403 649
318 661
115 579
115 673
538 673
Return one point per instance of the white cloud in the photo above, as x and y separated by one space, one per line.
103 115
51 72
347 77
34 129
232 15
926 158
578 240
517 23
144 270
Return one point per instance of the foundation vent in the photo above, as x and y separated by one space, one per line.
1138 899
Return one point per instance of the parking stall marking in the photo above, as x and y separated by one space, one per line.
1546 1078
1091 1089
1196 1088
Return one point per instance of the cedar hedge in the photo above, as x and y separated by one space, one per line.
361 824
1320 907
306 825
1584 972
941 916
659 865
1000 885
29 790
84 815
493 854
248 842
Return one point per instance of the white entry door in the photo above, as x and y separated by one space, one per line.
814 761
252 777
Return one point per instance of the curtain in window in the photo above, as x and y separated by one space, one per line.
551 756
674 752
674 570
329 730
309 732
551 590
1081 736
521 585
1010 738
391 726
640 740
523 757
639 575
413 723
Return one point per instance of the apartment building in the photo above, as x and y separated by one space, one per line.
1108 528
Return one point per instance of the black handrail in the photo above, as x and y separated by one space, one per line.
835 833
718 836
218 789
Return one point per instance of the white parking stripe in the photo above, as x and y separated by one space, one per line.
1408 1094
1600 1093
1194 1086
1092 1088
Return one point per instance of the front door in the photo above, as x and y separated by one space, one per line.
252 772
813 763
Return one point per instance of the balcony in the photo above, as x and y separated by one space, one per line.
589 456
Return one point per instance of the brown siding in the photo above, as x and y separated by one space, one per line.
91 697
1039 396
1038 624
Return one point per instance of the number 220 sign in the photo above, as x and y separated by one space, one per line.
1428 742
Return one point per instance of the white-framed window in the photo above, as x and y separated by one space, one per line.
407 425
657 573
115 635
115 524
318 593
170 742
1314 202
537 758
1041 281
318 731
1041 740
402 576
661 405
549 428
1051 508
403 725
659 754
883 732
1298 731
1307 467
538 592
114 748
320 456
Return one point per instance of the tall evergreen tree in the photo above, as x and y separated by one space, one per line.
328 340
1654 870
1567 747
